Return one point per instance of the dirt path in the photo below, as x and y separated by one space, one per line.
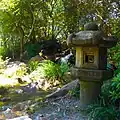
66 108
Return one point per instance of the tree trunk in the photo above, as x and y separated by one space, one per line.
21 42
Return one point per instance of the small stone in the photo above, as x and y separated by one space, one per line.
21 118
41 115
4 108
8 113
19 91
5 99
76 106
20 106
30 88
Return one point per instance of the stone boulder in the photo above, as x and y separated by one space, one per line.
65 89
37 58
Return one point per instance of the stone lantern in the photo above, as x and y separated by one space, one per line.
91 60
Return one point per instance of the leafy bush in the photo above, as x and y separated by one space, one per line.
75 92
104 109
114 53
3 64
51 71
3 90
32 65
63 68
103 112
115 89
3 51
8 52
21 71
108 105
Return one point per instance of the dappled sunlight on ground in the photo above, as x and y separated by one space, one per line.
7 81
13 71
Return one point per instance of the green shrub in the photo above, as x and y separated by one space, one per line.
3 51
63 68
3 90
51 71
103 112
21 71
105 92
103 109
108 105
3 64
75 92
115 89
32 65
114 53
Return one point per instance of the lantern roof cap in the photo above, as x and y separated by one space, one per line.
91 36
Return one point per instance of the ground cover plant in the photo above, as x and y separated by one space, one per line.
108 105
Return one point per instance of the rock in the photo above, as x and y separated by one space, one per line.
21 106
4 108
39 117
5 99
19 91
8 113
37 58
21 81
26 78
30 88
64 90
66 58
21 118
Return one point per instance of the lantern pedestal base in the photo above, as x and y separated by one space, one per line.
89 92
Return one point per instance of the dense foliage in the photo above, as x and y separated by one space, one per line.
108 105
51 71
22 21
